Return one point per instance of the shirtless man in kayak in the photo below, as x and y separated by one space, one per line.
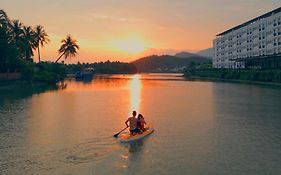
132 123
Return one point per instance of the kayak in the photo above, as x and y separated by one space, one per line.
127 137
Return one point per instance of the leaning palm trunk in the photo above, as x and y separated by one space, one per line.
59 58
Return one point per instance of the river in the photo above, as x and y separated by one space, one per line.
200 127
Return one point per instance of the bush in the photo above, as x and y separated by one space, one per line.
27 69
277 77
249 75
45 76
49 72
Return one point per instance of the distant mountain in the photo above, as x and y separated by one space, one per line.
167 63
206 53
185 55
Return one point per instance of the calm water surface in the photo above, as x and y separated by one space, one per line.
200 127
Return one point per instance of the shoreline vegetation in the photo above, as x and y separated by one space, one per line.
18 44
253 76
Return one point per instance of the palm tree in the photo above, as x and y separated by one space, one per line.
4 20
16 31
16 36
29 40
41 38
68 48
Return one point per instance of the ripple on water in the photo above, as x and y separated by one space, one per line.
89 151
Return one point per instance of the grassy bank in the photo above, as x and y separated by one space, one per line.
270 76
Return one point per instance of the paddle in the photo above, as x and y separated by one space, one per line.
116 135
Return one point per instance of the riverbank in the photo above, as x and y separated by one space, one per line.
261 77
13 84
194 78
36 73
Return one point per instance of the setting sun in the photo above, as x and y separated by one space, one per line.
129 45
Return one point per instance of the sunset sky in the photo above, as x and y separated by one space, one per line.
128 29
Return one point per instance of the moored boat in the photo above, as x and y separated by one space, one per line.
86 74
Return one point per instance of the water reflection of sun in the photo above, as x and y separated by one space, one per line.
135 86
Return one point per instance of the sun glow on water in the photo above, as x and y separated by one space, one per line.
135 86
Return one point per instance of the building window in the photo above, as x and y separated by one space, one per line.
274 32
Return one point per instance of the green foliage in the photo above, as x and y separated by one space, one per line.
104 67
17 43
45 76
114 68
49 72
238 74
8 53
27 69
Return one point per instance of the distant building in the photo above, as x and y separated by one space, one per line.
254 44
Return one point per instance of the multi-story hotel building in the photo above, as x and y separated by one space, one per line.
256 44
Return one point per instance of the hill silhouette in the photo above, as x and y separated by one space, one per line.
185 55
206 52
167 63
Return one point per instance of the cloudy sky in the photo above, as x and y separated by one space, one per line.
128 29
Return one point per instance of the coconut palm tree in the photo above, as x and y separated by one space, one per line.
16 31
16 36
4 20
29 40
41 38
68 48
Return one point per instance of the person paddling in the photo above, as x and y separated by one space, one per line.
132 123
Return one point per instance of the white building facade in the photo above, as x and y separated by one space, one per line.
256 40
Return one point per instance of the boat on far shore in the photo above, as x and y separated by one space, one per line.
86 74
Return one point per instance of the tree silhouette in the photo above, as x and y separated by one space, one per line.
68 48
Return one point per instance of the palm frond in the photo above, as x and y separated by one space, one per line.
41 36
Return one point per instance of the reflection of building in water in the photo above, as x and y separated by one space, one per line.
135 86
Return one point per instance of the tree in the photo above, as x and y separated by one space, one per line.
68 48
29 40
4 19
8 53
41 38
16 32
16 36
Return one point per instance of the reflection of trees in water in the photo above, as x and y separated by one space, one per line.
85 80
21 91
101 81
110 81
